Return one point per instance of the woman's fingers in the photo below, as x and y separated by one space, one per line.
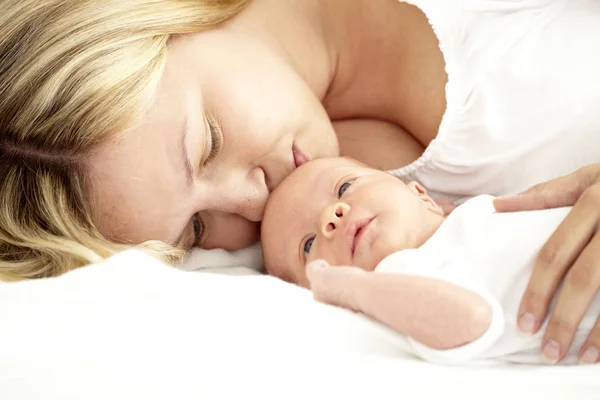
571 256
579 289
560 192
572 253
554 260
590 351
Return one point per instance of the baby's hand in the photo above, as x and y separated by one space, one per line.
333 285
446 204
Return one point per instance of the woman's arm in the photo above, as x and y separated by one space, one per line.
433 312
571 256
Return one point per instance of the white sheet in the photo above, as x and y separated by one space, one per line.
246 261
132 328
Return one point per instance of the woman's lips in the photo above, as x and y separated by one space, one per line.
355 231
299 156
274 174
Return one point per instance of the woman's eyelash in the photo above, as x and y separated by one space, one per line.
216 140
198 228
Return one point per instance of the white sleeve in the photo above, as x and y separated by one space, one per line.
457 274
504 5
476 349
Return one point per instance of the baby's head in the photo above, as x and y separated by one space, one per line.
341 211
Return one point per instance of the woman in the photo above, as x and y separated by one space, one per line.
168 123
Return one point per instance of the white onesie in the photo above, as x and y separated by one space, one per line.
492 254
523 95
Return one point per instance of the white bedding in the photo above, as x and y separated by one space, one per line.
248 261
132 328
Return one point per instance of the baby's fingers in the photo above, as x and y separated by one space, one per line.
446 205
314 271
332 285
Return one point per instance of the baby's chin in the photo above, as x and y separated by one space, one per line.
370 264
379 251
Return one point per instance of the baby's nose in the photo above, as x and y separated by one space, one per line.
331 218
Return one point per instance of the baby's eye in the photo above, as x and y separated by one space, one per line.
307 246
343 188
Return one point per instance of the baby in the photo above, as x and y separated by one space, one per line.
451 285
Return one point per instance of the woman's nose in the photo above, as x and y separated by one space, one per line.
332 217
243 194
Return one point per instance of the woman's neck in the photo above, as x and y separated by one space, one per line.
390 68
372 59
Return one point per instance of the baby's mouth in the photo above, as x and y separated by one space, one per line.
355 231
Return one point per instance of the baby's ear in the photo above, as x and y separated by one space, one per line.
420 191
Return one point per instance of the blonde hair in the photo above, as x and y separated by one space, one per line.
72 75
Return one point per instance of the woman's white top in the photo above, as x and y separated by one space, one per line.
523 95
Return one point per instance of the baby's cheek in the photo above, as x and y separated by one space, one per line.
327 253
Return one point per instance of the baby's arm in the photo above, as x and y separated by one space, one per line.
438 314
433 312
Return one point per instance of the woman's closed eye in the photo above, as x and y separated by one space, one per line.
216 139
216 143
198 226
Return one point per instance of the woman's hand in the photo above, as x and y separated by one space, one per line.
571 256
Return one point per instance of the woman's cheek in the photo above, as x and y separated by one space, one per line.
231 232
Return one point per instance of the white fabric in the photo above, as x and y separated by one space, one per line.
132 328
491 254
246 261
523 95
